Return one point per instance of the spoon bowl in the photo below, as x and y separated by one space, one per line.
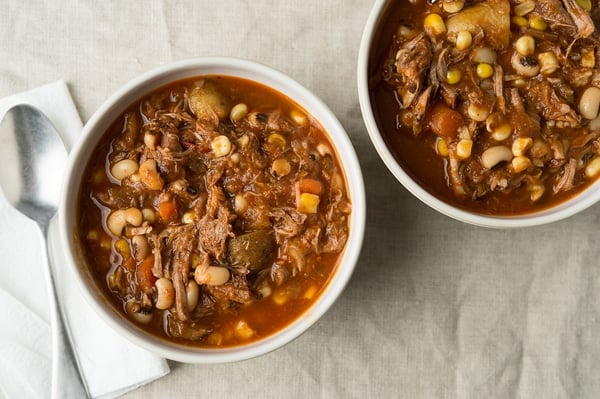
34 160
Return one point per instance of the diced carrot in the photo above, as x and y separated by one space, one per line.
445 122
143 274
309 185
167 210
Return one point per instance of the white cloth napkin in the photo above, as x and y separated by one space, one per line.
111 365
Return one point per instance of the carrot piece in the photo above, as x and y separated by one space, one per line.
445 121
167 210
143 273
309 185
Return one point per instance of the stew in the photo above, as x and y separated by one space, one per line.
214 211
492 105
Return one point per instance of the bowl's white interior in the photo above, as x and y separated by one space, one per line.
133 91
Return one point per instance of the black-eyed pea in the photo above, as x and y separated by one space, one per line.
324 150
238 112
124 168
494 155
140 247
135 311
589 103
117 220
211 275
192 293
592 169
165 297
149 175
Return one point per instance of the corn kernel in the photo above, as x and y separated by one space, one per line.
463 148
281 167
221 146
453 6
453 76
435 24
308 203
502 132
194 260
243 330
188 217
536 191
276 139
520 21
548 63
442 147
537 23
310 292
148 214
585 4
520 145
105 243
520 163
464 39
477 112
280 297
525 45
215 339
122 247
588 58
484 70
593 168
243 141
92 235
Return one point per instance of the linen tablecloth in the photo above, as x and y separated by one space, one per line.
436 308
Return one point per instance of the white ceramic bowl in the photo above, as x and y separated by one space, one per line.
565 209
132 92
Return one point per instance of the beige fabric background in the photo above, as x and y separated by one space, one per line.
436 308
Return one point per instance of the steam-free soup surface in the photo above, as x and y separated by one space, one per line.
491 105
214 211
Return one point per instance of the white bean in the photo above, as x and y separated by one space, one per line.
124 168
117 220
494 155
589 103
165 293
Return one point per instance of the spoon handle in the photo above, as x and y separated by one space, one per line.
66 378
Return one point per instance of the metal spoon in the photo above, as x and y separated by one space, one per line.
33 161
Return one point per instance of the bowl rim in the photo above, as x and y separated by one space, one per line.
560 211
199 66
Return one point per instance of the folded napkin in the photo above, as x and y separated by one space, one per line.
111 365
